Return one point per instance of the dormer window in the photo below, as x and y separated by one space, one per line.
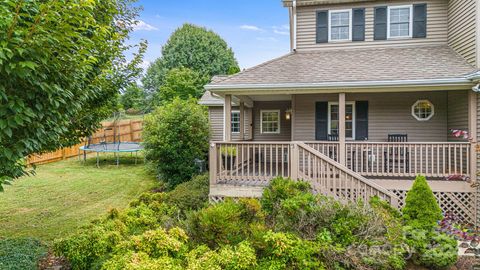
400 21
340 25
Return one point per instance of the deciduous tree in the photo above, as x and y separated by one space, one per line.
61 67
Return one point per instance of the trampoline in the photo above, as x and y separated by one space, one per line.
110 143
114 147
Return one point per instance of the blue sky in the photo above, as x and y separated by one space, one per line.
257 30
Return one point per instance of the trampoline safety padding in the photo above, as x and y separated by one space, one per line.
116 148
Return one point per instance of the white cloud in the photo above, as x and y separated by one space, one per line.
251 28
267 39
282 30
143 26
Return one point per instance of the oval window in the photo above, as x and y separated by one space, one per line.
423 110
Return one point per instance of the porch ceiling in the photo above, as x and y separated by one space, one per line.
368 68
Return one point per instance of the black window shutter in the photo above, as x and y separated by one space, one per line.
321 121
380 24
361 120
358 20
419 21
322 26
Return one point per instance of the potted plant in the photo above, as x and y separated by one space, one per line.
229 156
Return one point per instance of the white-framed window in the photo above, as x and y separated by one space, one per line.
333 119
400 21
340 25
235 121
270 121
423 110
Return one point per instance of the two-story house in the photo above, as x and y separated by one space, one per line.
366 100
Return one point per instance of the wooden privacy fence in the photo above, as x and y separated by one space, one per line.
126 130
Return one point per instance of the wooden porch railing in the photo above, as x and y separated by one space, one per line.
437 160
382 159
256 163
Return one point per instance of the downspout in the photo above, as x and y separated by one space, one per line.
294 11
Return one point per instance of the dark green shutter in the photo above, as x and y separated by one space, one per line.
380 23
322 26
361 120
419 21
321 121
358 31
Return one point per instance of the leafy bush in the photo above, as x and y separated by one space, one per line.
20 253
430 248
175 135
421 209
290 229
191 195
226 223
91 246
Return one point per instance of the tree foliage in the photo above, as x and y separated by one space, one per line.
183 83
133 98
176 134
61 66
195 48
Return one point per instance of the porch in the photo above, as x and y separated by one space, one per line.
347 153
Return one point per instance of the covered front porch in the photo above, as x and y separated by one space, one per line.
349 145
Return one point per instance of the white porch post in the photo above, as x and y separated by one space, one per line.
227 116
242 121
341 128
472 130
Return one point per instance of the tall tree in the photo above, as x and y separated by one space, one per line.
180 82
61 67
195 48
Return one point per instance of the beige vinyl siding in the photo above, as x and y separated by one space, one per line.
436 25
285 125
388 113
216 123
457 113
462 28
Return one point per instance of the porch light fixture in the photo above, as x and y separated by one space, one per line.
288 114
423 110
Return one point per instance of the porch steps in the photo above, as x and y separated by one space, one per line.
331 178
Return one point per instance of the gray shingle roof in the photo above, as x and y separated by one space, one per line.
355 65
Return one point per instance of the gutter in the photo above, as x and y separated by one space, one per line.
462 81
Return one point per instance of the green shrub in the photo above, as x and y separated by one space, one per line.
241 256
226 223
175 135
421 209
191 195
431 249
20 253
140 261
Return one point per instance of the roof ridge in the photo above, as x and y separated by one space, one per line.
257 66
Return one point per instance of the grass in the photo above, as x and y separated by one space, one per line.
68 194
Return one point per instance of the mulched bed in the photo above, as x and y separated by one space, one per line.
52 262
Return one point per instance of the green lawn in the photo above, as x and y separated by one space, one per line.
67 194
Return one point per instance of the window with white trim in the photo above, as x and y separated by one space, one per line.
270 121
235 121
400 21
423 110
340 23
333 119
